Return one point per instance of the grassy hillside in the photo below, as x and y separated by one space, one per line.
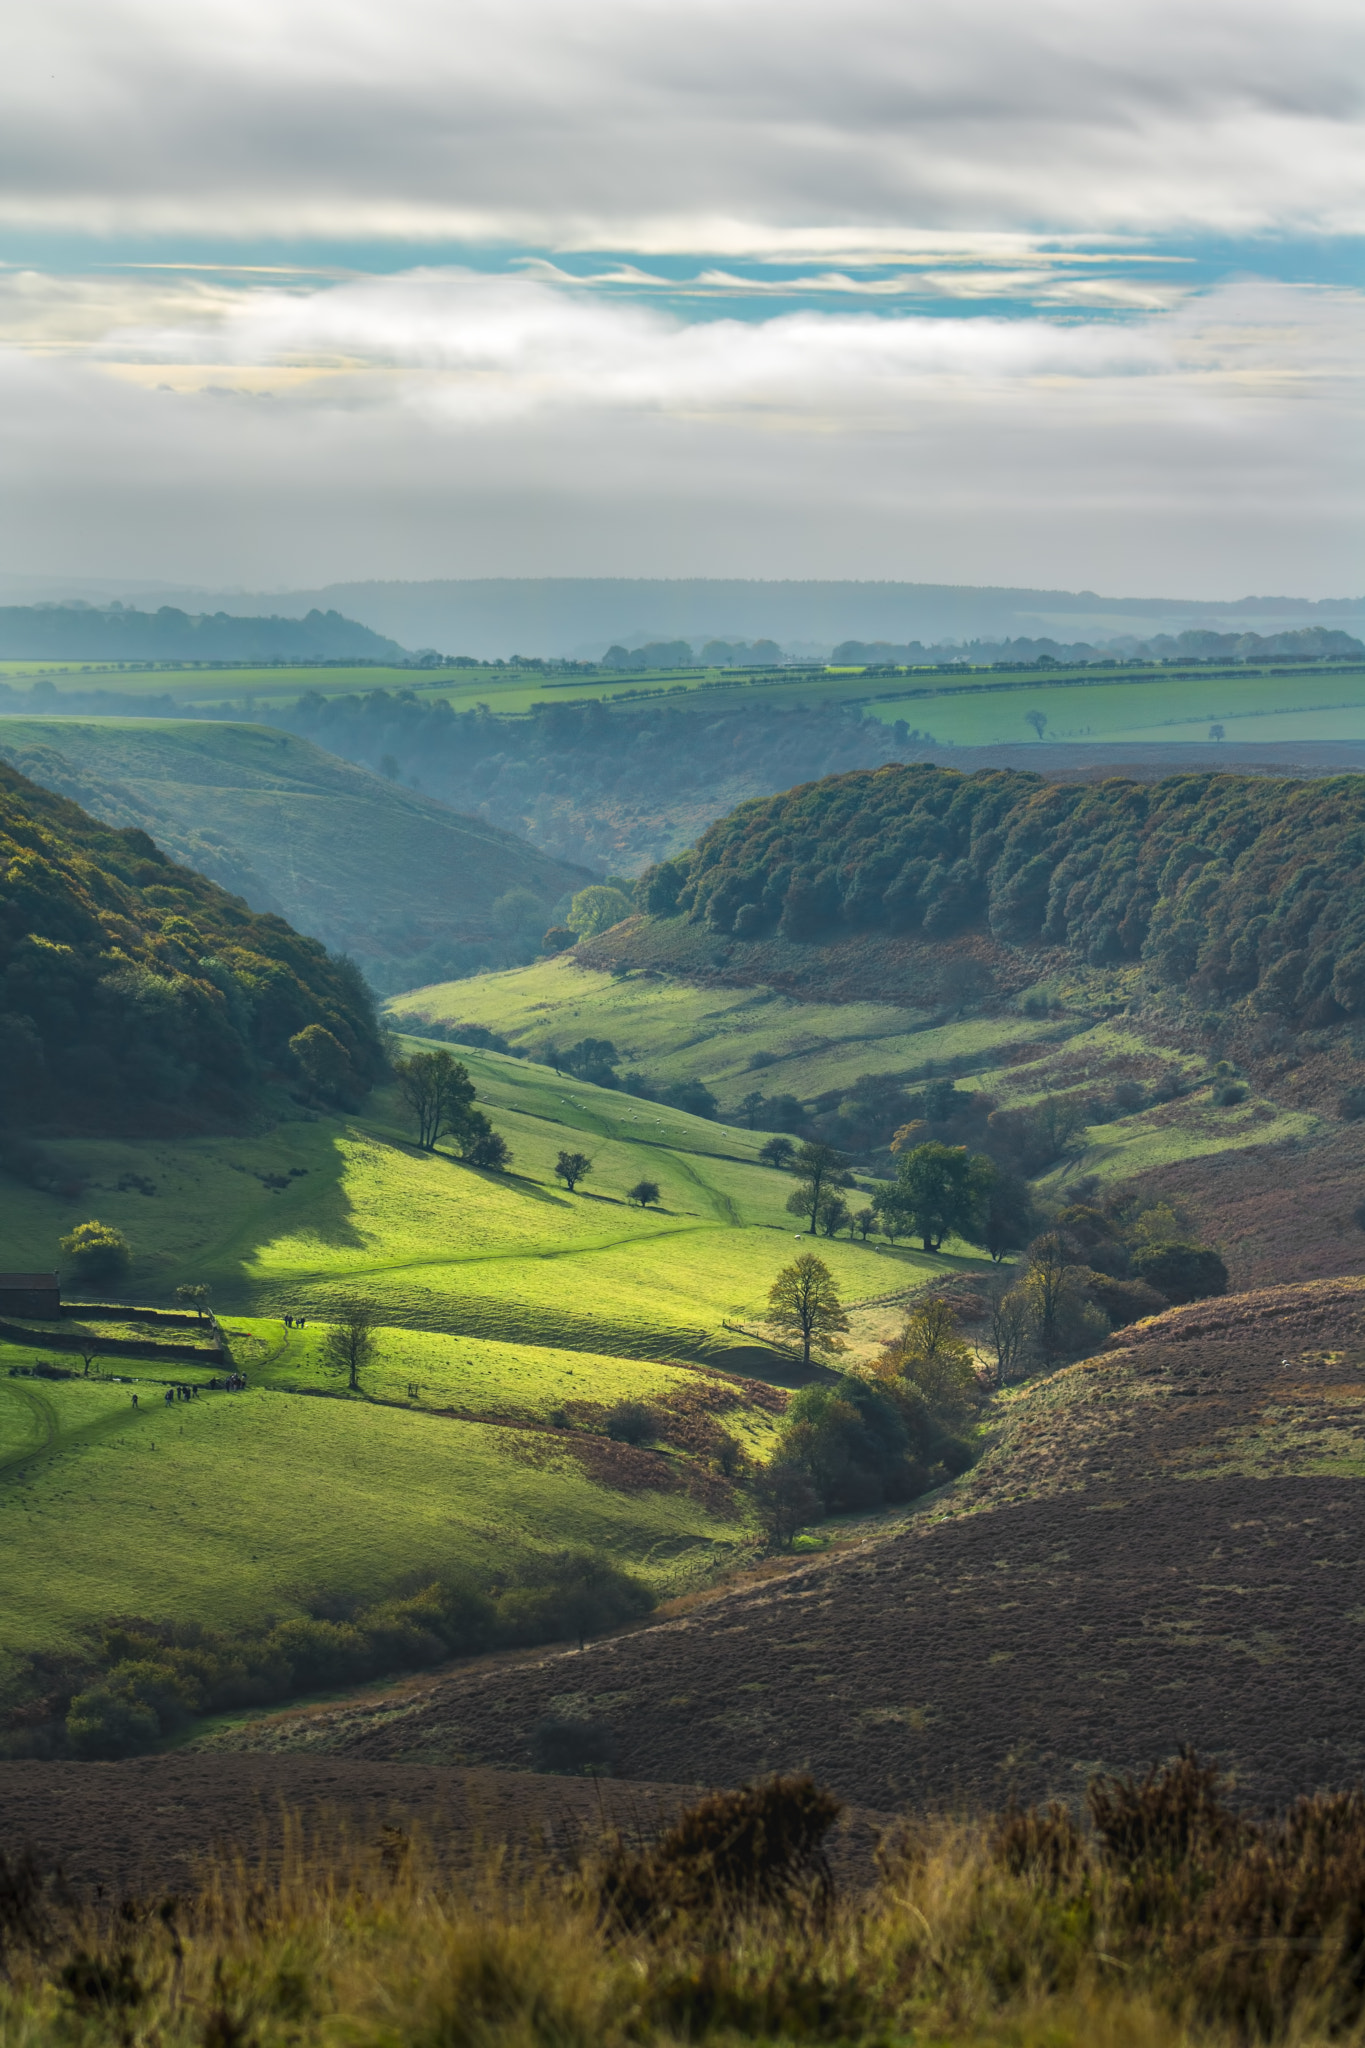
296 1218
373 869
233 1506
1164 1548
134 992
512 1314
744 1040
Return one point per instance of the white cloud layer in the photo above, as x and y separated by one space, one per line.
447 423
725 125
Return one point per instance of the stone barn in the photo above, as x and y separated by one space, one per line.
30 1294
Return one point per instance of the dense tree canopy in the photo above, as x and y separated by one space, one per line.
1225 885
127 981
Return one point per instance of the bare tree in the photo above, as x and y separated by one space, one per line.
1011 1334
350 1343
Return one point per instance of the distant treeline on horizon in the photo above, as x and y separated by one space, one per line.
117 633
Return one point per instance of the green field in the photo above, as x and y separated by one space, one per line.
361 862
962 708
675 1030
441 1246
502 1297
235 1506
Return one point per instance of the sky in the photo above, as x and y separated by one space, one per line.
1068 295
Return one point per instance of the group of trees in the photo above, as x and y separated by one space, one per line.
940 1191
149 1679
439 1096
871 1437
1228 886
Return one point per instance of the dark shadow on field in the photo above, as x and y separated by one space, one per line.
317 1205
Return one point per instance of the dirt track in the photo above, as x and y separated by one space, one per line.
1169 1549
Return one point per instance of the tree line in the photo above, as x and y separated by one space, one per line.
1230 887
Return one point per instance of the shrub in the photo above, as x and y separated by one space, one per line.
100 1254
102 1724
490 1150
632 1422
761 1847
1182 1272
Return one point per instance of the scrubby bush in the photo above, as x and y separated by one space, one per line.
99 1254
1182 1272
632 1422
102 1724
150 1677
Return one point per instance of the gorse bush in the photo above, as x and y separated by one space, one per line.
1221 884
147 1679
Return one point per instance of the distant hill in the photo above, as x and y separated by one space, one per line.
575 615
1229 889
136 993
79 632
393 878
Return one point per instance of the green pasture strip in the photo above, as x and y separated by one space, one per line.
1189 1129
961 706
481 1377
679 1030
1172 705
239 1506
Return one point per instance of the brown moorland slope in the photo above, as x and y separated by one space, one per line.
1165 1545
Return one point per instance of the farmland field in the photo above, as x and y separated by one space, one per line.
959 708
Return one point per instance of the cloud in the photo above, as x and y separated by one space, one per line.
451 423
726 126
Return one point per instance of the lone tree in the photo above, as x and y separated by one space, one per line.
195 1296
777 1152
100 1254
438 1092
350 1343
819 1167
644 1194
1038 720
804 1302
570 1167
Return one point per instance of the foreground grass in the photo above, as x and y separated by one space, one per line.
1172 1922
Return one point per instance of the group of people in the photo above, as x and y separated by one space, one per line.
296 1322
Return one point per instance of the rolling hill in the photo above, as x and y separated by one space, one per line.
1163 1547
375 870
